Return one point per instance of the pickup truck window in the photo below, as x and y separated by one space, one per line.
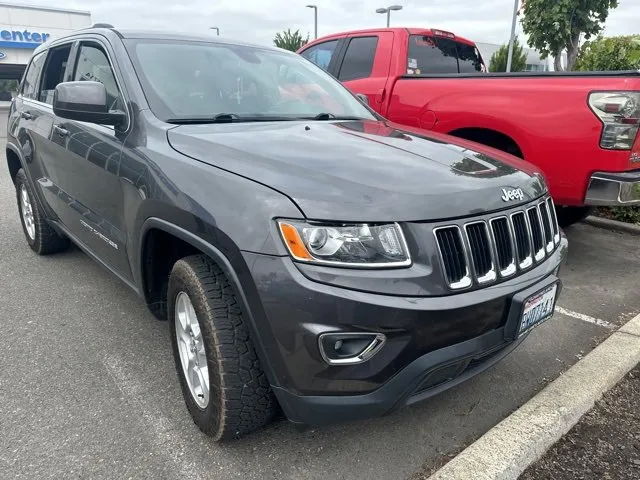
321 54
432 54
358 60
30 84
207 79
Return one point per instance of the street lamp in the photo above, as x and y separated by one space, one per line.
388 11
315 19
216 29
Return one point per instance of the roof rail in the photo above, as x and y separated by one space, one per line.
101 25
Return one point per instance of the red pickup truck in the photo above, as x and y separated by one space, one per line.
580 129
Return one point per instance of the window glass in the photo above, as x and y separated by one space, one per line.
30 84
53 73
321 54
469 59
206 79
433 54
93 65
358 60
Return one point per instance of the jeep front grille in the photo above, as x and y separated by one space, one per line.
483 251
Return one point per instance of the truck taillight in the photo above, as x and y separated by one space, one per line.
620 115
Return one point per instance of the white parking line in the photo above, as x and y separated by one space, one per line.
585 318
163 433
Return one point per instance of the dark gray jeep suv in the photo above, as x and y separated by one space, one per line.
308 254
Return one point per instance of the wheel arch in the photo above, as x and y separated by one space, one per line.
491 138
243 288
14 160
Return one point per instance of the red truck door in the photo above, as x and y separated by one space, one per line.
363 66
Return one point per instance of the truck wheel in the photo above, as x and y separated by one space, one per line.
40 236
225 390
567 216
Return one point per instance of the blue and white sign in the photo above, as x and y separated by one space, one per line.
2 55
22 38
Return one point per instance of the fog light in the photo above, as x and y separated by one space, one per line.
349 348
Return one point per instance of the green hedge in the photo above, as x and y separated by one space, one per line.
608 54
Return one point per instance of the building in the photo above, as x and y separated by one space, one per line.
24 27
534 62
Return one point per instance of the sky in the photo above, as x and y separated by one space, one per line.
259 20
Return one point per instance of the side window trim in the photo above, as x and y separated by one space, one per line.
116 74
336 59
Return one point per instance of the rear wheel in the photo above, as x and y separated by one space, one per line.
223 385
40 236
567 216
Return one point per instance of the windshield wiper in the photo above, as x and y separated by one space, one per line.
229 118
332 116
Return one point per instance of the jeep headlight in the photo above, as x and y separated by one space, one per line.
356 245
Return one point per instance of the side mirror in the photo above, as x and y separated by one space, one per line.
85 102
363 98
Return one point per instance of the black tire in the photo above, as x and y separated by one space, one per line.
240 398
567 216
45 240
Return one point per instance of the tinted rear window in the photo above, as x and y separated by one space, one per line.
431 54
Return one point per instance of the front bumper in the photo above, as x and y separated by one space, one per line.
432 343
613 189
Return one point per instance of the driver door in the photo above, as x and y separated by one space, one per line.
89 175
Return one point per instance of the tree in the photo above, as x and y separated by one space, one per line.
554 26
290 40
498 61
607 54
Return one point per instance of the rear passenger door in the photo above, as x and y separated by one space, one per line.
364 67
90 168
36 134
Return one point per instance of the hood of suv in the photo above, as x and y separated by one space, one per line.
363 171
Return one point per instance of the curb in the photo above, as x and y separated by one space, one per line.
612 225
505 451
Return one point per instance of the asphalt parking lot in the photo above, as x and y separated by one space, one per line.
88 387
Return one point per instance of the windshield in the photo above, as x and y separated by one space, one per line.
433 54
183 79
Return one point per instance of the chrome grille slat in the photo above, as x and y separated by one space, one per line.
554 220
546 225
505 244
481 251
453 256
537 233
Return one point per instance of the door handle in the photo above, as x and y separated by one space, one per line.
63 132
26 115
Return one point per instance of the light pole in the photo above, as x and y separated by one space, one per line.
216 29
315 19
388 11
513 33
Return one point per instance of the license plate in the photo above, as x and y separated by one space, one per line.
538 308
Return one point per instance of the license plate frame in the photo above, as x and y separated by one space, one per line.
545 298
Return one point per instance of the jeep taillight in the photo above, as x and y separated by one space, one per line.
620 115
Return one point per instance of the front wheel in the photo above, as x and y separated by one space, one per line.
223 385
567 216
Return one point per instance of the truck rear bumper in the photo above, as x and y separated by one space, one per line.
611 189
